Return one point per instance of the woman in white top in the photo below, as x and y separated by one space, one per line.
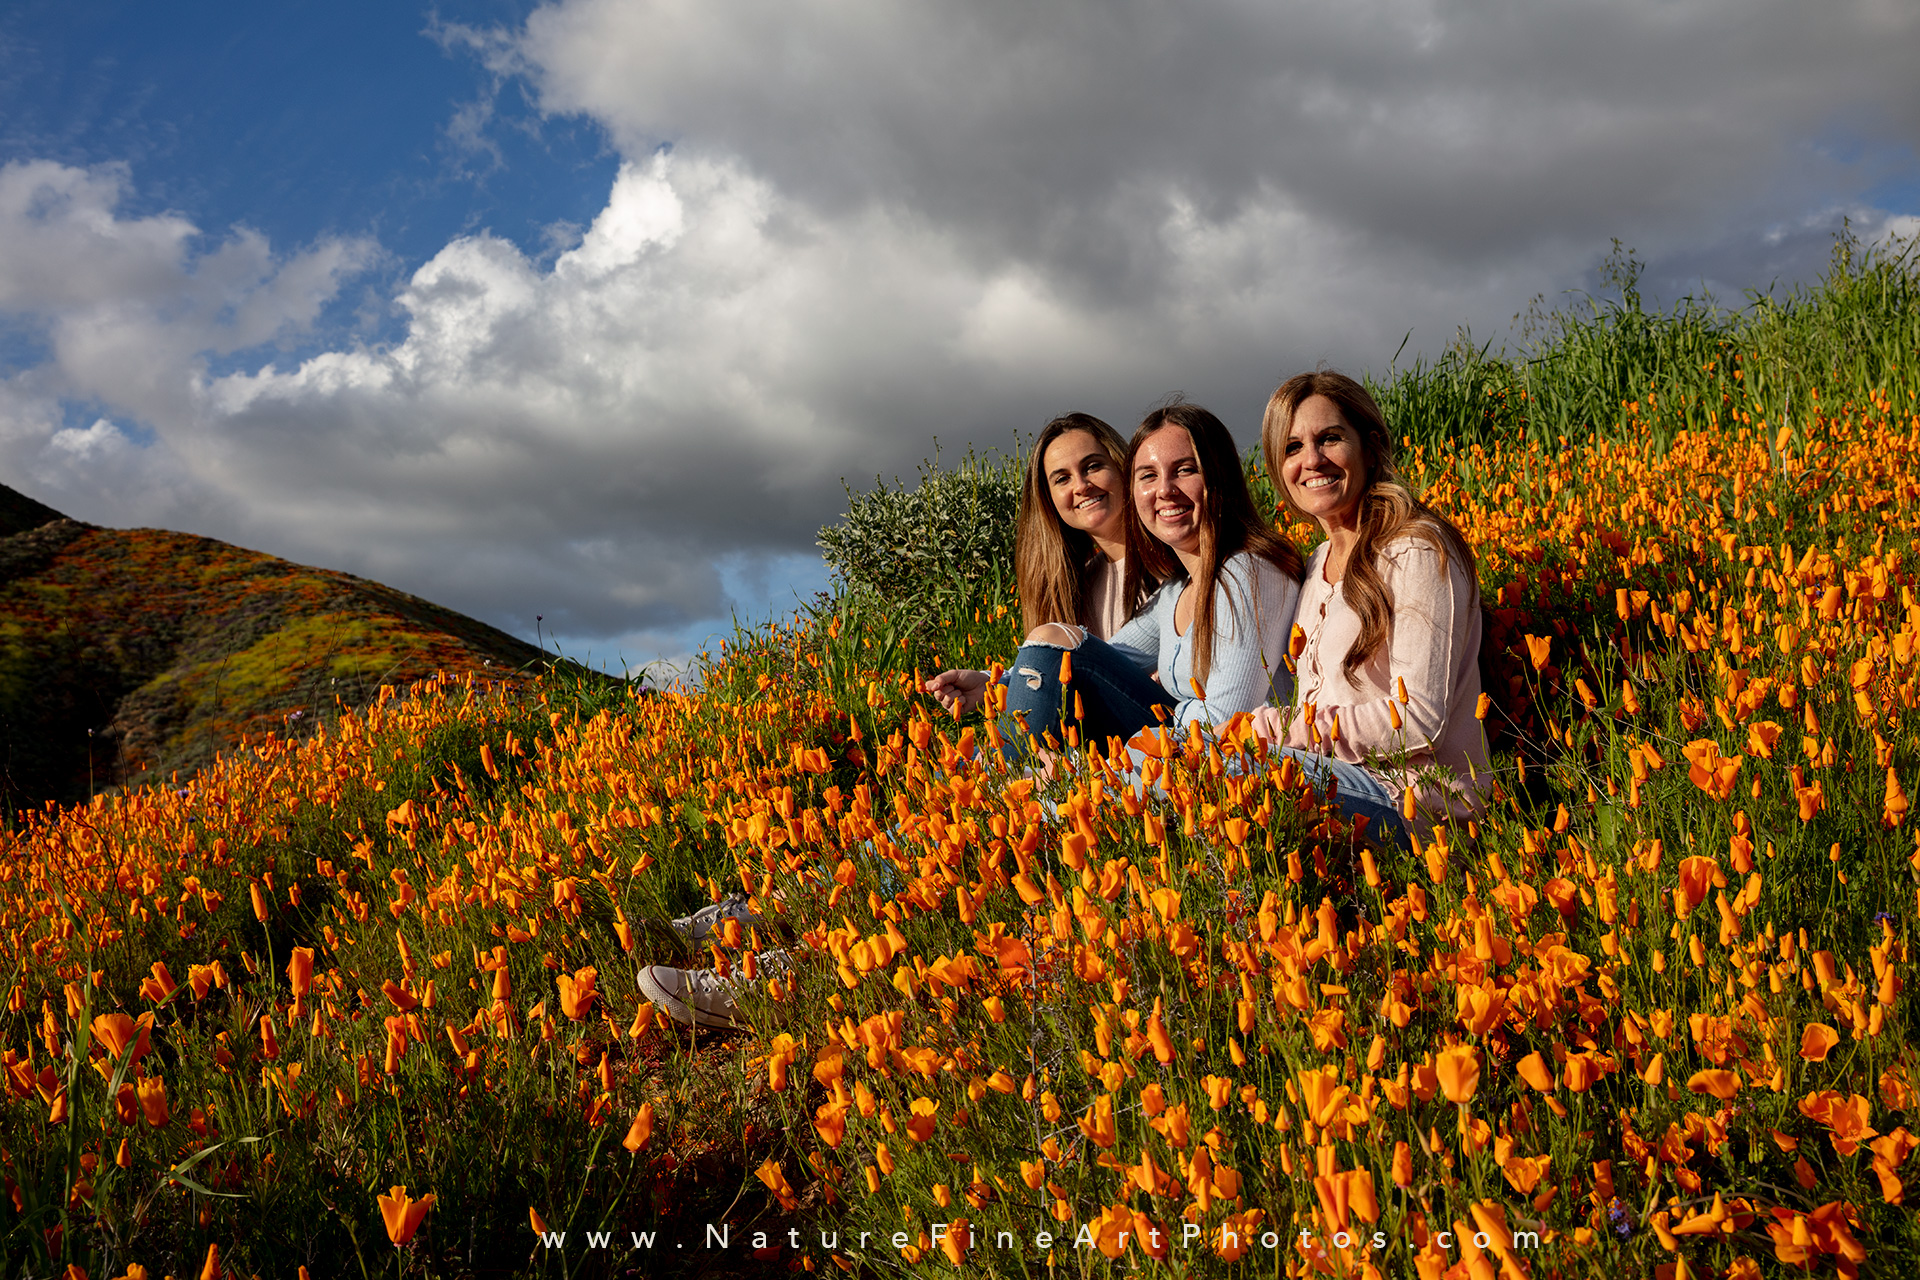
1390 675
1209 644
1070 551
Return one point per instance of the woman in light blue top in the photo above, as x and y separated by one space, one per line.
1211 643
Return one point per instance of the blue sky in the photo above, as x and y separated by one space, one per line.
302 119
584 309
309 121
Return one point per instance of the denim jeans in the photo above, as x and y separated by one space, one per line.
1358 791
1117 698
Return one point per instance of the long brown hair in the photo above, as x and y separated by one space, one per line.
1388 509
1050 557
1229 524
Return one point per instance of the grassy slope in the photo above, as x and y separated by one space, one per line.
132 652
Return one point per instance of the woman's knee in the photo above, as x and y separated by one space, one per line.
1043 653
1057 635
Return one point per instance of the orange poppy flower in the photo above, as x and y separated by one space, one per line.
1697 876
769 1173
1817 1041
1721 1084
403 1215
1459 1070
576 992
920 1126
641 1129
300 970
116 1031
1533 1069
153 1101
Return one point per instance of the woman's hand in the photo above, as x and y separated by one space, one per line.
1271 723
959 691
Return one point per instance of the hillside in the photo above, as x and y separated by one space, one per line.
19 513
1652 1012
127 653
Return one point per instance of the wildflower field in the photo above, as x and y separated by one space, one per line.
365 1002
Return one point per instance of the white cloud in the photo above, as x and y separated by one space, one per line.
842 229
129 309
101 437
1467 129
67 249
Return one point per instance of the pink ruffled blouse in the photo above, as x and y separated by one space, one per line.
1439 748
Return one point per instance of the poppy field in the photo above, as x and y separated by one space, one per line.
365 1002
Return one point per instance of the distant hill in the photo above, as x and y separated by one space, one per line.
128 654
19 513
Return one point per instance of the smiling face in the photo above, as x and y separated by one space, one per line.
1084 483
1324 465
1169 490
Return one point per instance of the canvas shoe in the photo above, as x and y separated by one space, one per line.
695 929
691 997
701 997
708 919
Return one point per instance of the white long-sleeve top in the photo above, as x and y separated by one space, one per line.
1254 605
1434 646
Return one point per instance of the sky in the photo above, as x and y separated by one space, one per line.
578 317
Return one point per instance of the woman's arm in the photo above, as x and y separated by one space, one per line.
1432 616
960 691
1253 613
1286 726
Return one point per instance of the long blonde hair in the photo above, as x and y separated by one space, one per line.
1229 524
1388 509
1050 557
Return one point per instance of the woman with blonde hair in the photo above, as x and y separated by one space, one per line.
1070 549
1389 678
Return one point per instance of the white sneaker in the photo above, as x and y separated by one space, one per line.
708 919
691 997
701 997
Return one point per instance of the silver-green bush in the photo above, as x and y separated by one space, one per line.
917 550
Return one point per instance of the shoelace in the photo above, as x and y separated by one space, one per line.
707 986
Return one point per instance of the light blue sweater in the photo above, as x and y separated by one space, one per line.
1254 605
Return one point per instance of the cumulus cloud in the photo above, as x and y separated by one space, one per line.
129 310
1061 130
842 229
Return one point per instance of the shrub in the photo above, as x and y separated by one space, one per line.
914 550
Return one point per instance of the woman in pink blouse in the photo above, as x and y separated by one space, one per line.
1389 678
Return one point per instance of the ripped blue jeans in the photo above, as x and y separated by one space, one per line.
1117 698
